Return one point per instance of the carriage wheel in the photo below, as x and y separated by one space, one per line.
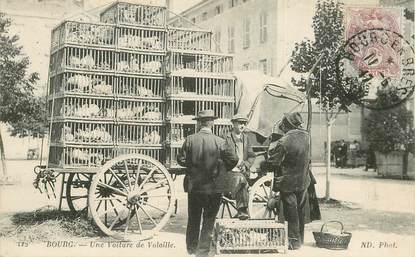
261 197
77 187
227 208
132 197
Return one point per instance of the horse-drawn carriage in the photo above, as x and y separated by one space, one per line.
121 97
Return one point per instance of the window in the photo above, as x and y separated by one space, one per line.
246 66
231 39
204 16
218 9
246 33
263 27
233 3
263 66
217 39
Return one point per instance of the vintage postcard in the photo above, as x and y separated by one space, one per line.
207 128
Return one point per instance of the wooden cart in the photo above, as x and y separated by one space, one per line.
121 97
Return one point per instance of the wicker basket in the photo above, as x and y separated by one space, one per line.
332 241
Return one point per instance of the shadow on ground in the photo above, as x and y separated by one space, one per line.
357 219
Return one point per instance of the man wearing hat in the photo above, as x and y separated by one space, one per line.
239 142
203 154
290 156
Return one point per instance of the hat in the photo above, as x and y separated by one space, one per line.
205 115
239 117
294 119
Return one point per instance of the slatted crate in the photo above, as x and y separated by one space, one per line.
186 110
155 152
176 133
189 63
82 108
79 156
140 63
82 59
232 235
138 134
135 87
201 86
150 111
189 39
141 39
83 83
97 133
135 15
82 33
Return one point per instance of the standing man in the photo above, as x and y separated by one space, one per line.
238 141
290 156
203 154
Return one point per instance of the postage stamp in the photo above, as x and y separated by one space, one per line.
377 54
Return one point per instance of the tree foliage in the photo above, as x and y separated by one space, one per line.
331 89
389 129
19 106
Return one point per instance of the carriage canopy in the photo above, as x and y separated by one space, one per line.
265 99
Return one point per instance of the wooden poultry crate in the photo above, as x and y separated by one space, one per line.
232 235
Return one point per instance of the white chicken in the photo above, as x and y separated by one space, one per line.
122 66
88 62
102 89
154 137
134 65
151 67
79 82
74 61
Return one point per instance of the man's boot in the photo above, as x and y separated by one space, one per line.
243 213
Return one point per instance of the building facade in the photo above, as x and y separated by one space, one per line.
261 35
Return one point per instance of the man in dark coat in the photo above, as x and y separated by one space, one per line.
239 143
290 156
203 154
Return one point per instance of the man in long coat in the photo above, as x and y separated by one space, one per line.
203 154
239 142
291 156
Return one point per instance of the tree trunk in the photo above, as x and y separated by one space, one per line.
328 164
3 157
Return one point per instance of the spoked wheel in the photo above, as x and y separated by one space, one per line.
227 208
77 187
132 197
262 201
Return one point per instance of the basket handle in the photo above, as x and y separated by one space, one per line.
332 221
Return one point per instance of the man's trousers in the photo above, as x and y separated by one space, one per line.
202 208
294 213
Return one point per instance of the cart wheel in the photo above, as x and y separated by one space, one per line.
77 191
227 208
261 199
132 197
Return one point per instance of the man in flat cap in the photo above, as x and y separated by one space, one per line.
240 144
290 156
203 154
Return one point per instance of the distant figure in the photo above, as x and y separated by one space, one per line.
203 154
340 154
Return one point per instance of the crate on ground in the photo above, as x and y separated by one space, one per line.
233 235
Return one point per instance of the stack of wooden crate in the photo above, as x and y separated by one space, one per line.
114 85
197 79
